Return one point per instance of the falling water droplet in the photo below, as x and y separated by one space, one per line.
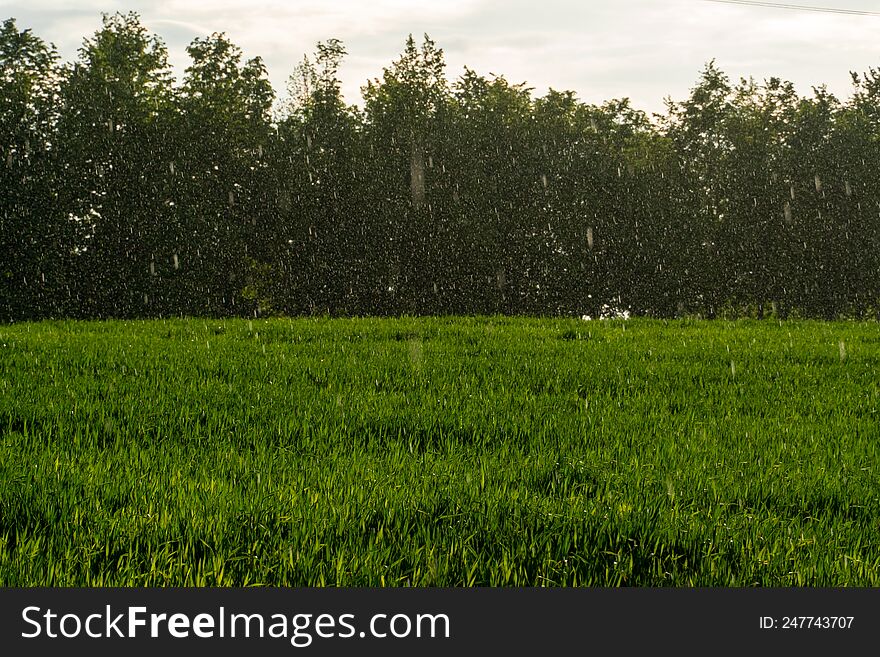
787 213
176 261
590 237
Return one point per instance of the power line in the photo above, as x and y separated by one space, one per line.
780 5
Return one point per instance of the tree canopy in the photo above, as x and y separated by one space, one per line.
130 194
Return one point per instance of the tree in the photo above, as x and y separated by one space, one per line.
490 178
33 239
756 233
109 132
817 273
322 182
857 183
697 128
632 219
222 201
125 196
402 113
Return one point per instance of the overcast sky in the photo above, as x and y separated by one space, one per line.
641 49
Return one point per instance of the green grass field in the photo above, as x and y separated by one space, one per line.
449 452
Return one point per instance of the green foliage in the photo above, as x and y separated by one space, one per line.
33 267
129 196
259 287
442 452
110 136
218 174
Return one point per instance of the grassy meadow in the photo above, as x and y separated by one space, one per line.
444 451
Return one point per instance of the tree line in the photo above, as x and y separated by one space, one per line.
129 194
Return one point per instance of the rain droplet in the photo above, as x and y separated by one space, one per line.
590 237
818 181
841 347
176 261
787 213
847 188
544 180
